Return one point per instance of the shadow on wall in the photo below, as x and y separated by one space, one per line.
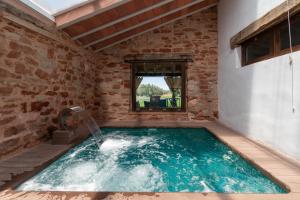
235 81
256 99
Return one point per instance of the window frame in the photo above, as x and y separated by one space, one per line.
183 90
276 44
286 50
268 56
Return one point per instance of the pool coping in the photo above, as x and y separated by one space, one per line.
279 168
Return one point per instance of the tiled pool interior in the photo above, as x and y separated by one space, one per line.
152 160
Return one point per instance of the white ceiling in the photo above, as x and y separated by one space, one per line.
51 7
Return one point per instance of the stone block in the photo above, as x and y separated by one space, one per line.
14 130
38 105
5 177
1 183
48 76
7 120
63 137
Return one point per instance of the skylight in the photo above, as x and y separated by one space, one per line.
52 7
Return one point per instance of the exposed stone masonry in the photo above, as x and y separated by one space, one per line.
39 77
195 35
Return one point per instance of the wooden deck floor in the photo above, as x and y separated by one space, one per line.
279 168
28 161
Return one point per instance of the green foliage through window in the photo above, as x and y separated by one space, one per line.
150 90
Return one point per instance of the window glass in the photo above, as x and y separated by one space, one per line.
295 32
158 87
258 47
272 42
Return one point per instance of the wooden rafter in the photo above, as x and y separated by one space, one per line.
270 19
115 13
136 21
119 21
85 11
99 26
154 24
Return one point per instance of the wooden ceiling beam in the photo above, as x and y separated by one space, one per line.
110 15
201 5
273 17
121 19
85 11
156 14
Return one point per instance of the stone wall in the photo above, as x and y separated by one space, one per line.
196 35
38 77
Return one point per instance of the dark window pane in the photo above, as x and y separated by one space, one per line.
258 47
295 31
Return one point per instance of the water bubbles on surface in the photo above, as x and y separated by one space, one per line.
140 178
226 157
145 141
230 185
78 151
161 159
195 178
178 156
80 172
140 161
185 190
145 177
155 145
205 187
110 145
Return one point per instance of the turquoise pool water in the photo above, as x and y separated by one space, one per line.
152 160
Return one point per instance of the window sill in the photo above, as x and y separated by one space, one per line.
158 112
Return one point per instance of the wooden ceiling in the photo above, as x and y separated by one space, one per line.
102 23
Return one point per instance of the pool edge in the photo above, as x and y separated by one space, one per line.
212 127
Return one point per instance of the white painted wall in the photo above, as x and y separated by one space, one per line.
256 100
